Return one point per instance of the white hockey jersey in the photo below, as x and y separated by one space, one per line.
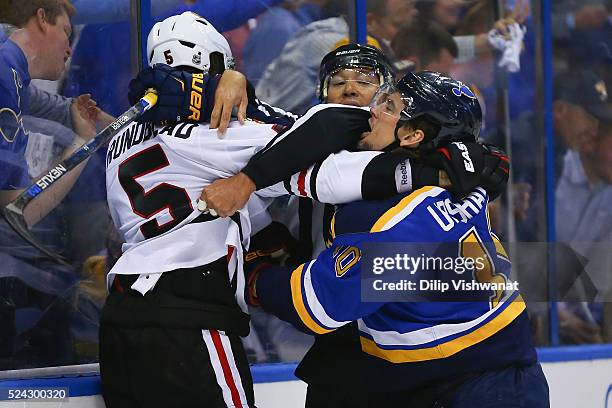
155 175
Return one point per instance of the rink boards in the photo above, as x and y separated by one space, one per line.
578 376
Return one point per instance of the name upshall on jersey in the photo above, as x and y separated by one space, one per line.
51 176
140 133
447 213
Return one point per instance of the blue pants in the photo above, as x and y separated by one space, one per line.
512 387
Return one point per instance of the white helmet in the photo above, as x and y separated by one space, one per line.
189 40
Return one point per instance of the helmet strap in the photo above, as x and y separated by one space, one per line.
396 143
217 63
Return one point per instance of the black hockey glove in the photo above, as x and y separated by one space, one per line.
469 165
180 94
494 176
268 248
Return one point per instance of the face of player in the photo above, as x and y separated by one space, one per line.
577 128
385 112
56 47
354 86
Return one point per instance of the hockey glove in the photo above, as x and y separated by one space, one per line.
268 247
180 94
469 165
494 176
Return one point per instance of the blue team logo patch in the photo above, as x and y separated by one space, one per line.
463 90
10 124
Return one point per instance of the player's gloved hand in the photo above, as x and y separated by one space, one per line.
462 163
496 170
180 94
268 247
469 165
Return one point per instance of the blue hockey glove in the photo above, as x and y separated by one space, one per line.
180 94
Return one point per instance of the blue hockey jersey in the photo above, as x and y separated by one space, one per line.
411 343
14 81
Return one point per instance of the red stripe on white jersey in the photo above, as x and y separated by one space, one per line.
224 366
230 252
301 184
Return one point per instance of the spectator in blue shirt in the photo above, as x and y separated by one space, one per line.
584 221
30 287
38 50
579 107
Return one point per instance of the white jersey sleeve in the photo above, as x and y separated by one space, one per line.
339 179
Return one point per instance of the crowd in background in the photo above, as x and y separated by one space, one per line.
49 312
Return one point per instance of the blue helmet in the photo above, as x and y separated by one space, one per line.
446 102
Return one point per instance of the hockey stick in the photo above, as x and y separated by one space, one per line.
13 212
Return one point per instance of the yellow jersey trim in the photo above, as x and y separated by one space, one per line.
392 212
298 302
451 347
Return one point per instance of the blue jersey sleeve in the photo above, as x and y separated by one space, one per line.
319 296
13 138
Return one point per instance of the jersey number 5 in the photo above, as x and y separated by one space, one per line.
148 204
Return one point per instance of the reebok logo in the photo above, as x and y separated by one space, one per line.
404 173
403 181
467 160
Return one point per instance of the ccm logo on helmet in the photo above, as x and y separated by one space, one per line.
467 160
195 101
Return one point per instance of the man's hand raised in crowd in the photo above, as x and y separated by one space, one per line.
87 117
226 196
84 112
